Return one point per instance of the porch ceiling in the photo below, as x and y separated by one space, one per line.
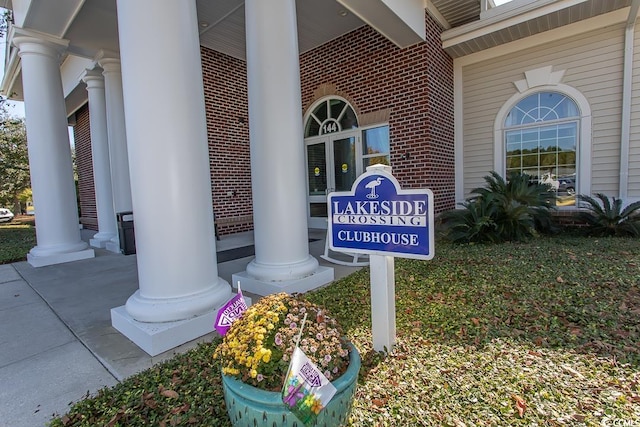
221 25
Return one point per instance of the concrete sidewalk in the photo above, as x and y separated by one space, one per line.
56 339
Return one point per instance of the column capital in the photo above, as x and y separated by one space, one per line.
110 64
93 78
34 42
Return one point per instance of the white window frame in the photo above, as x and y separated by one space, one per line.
583 155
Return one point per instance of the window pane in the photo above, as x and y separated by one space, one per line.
318 210
514 162
344 152
312 128
375 140
349 120
316 169
548 159
321 112
540 107
336 107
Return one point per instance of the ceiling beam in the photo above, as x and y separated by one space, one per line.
401 21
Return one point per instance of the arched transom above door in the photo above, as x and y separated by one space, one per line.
331 115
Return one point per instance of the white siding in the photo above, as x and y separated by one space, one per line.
593 62
634 140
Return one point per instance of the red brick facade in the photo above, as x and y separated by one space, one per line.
412 88
84 167
225 95
416 86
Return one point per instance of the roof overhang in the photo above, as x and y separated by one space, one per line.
401 21
521 19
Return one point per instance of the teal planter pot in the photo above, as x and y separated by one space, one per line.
249 406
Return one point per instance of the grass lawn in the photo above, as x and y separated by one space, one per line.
16 239
545 333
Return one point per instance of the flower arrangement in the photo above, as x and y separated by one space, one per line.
257 348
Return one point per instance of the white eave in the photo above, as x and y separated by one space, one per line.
523 18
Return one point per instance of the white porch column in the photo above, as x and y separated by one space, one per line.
169 158
116 131
282 261
54 195
100 158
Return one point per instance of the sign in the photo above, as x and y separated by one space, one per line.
377 217
230 312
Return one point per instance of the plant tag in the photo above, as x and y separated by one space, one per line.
306 391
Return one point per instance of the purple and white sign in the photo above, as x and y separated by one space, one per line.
377 217
231 311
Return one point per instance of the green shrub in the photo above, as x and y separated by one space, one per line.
505 210
609 218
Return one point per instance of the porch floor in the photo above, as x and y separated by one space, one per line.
56 337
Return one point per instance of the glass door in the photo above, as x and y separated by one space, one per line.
331 166
317 178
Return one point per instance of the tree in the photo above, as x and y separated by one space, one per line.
14 161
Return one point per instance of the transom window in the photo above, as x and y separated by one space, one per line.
541 135
333 115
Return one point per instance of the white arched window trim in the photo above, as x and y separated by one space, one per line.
307 115
583 165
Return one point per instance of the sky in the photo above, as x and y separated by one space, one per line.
16 108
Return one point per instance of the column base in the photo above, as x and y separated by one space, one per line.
113 247
173 309
100 240
156 338
51 259
321 276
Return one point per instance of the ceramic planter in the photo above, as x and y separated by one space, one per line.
249 406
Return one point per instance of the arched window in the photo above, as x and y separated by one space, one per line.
331 116
542 137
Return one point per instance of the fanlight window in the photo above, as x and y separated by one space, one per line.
541 134
330 116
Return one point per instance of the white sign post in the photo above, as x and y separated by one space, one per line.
383 302
378 218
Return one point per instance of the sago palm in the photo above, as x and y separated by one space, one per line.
609 218
505 210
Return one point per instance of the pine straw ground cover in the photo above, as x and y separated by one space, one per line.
545 333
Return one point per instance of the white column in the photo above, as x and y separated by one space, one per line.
116 131
282 261
54 196
169 158
100 158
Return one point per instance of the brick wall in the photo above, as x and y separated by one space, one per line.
225 95
84 166
414 84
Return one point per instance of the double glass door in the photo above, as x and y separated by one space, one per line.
331 166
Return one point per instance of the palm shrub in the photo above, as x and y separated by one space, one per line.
514 209
608 217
